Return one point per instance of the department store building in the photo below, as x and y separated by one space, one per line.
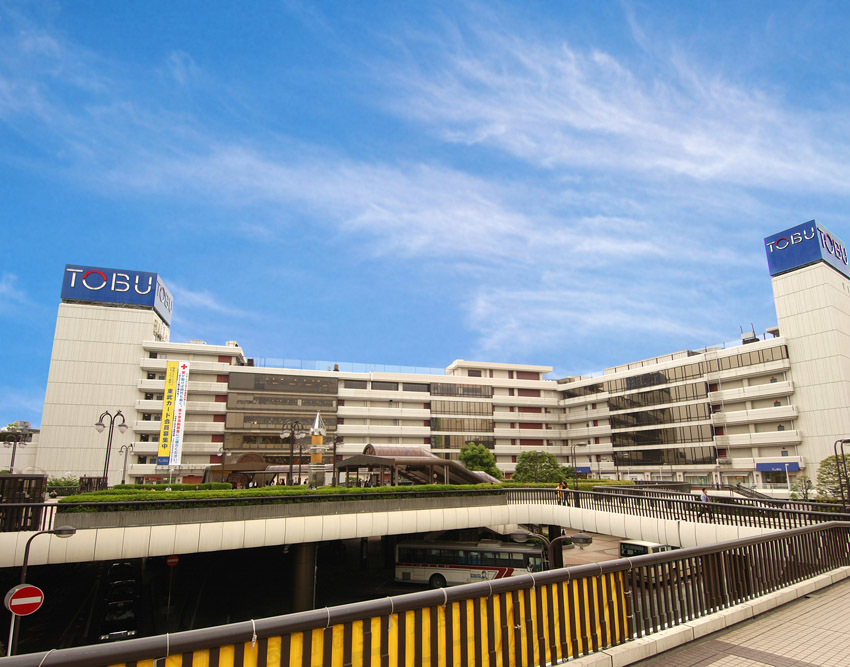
759 412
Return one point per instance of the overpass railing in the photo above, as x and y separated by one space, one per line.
728 511
774 515
529 620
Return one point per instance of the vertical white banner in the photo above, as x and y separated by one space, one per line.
179 413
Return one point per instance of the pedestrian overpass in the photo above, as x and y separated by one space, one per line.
738 559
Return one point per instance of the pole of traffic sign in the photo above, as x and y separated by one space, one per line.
11 634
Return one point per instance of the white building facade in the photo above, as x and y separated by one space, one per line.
759 413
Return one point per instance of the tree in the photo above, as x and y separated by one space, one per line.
802 488
827 481
538 467
476 456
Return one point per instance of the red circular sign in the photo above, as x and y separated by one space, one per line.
23 599
172 561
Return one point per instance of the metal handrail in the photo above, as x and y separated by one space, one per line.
619 601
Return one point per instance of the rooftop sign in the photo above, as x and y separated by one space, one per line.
803 245
90 283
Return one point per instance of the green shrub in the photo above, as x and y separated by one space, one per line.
65 480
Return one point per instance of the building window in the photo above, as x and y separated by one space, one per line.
355 384
412 386
384 386
148 397
152 355
772 380
777 404
473 373
781 427
151 376
470 390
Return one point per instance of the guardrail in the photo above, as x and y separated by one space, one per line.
734 512
533 619
774 515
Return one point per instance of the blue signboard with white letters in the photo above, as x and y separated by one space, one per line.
803 245
92 283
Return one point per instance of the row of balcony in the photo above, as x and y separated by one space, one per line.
159 366
195 387
758 416
196 407
753 392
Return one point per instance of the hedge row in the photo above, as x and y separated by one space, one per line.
268 494
207 486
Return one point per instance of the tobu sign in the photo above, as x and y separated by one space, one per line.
803 245
90 283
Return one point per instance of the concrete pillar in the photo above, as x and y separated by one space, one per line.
388 543
558 559
303 576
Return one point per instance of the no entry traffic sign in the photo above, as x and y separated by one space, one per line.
24 599
171 561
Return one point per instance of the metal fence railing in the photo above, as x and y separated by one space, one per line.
686 507
532 619
771 514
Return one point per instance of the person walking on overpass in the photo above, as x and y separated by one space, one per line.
704 501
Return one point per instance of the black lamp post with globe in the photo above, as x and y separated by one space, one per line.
100 426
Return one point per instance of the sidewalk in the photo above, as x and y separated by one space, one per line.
812 631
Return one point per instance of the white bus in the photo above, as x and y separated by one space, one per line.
445 563
629 548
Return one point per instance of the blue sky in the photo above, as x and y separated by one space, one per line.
576 184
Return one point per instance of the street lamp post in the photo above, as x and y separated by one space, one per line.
841 462
62 531
581 540
100 426
573 464
126 449
291 430
13 439
338 439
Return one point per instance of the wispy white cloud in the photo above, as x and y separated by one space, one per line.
203 300
555 106
20 404
11 296
610 172
182 67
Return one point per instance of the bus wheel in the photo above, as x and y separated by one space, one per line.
437 581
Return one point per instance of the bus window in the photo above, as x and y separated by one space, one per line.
488 558
628 550
474 558
534 564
